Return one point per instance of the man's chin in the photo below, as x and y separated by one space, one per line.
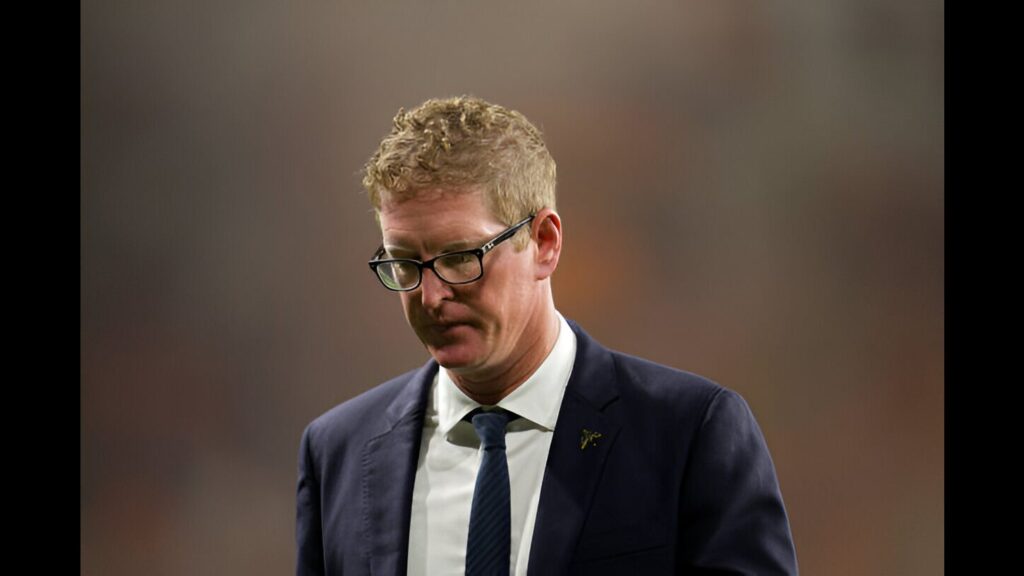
457 358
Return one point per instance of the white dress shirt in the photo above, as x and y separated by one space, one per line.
450 457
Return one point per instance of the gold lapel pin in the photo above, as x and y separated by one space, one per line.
588 438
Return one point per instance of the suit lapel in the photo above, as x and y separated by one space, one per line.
574 463
388 473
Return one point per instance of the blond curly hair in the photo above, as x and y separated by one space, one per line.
463 142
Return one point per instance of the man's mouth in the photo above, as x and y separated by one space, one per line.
446 327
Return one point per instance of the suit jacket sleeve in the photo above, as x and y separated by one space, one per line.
310 560
733 518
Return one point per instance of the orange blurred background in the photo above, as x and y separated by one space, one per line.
749 191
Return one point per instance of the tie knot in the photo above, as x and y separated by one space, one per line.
490 427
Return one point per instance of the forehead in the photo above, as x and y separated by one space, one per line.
437 218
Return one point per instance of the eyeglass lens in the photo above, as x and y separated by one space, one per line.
454 268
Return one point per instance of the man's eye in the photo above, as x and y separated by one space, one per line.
457 259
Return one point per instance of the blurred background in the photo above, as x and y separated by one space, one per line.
752 191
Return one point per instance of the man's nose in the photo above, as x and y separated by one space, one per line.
433 290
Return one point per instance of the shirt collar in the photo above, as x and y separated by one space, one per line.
536 400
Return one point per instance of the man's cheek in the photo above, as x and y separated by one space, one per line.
409 308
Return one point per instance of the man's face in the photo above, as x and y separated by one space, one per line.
475 330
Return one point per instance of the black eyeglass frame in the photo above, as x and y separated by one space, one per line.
478 252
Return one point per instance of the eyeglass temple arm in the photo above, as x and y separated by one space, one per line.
505 235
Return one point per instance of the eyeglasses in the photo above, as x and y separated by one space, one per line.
463 267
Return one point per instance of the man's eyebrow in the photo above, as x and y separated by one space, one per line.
456 246
460 245
399 251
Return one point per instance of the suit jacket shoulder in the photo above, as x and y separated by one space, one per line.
355 419
673 397
678 392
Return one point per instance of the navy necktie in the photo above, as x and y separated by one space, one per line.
488 549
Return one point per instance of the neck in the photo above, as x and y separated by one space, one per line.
491 388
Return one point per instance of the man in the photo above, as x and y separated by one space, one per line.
523 446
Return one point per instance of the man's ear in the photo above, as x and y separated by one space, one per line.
546 230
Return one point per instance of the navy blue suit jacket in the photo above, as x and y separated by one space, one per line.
679 482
